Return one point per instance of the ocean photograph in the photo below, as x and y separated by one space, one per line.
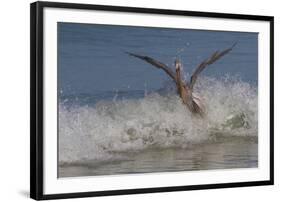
135 100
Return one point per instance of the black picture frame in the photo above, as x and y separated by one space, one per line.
36 99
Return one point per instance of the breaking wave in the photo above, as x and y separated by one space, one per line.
104 130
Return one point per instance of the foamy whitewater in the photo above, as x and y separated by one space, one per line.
106 129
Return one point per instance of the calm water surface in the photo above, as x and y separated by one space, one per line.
224 154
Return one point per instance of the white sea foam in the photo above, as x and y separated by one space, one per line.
104 130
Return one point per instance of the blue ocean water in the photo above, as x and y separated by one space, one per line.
92 58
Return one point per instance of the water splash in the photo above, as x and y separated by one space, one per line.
99 132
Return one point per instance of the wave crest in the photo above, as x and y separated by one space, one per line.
101 131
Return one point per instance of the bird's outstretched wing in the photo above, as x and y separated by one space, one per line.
214 57
156 64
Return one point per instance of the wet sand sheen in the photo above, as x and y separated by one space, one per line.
229 153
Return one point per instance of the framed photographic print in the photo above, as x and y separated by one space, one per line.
135 100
